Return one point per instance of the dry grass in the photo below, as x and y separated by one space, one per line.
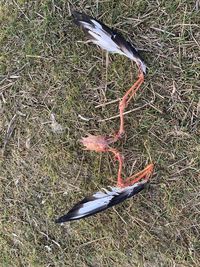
45 71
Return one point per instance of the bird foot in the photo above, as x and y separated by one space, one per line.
144 174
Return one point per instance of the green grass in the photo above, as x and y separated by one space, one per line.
44 70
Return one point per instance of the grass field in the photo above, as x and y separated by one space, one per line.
49 81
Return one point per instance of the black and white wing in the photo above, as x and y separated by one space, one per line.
101 201
107 39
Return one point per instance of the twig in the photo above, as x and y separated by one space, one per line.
84 118
4 87
127 112
161 30
8 133
157 109
92 241
21 11
108 103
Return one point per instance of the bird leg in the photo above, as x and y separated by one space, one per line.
144 174
118 157
100 144
141 79
124 102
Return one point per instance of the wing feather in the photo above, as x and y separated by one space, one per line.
108 39
100 201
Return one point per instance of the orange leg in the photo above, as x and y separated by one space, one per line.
141 79
119 157
124 102
144 174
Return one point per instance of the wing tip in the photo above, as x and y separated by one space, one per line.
75 13
62 219
78 16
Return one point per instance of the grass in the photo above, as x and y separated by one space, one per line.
44 171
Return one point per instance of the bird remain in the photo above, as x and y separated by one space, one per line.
113 42
101 201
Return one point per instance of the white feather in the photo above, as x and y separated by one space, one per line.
98 25
106 39
102 38
142 65
93 205
103 199
119 190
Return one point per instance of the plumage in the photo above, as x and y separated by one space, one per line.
100 201
108 39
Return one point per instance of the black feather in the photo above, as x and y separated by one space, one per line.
115 36
118 198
